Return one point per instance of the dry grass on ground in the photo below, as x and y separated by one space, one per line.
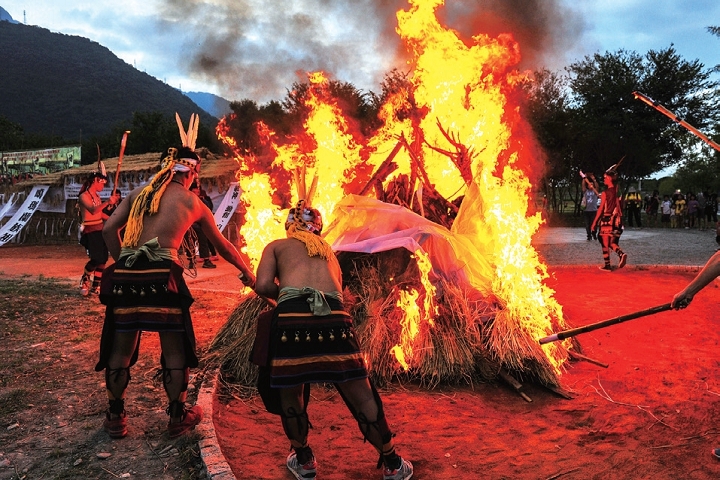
52 401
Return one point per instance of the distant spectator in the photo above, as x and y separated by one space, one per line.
651 209
711 209
633 201
693 207
702 198
680 208
591 195
666 210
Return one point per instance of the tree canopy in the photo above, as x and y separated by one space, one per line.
588 119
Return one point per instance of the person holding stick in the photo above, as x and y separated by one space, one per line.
312 340
93 213
709 272
609 217
682 299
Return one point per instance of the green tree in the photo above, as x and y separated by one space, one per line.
611 125
150 132
548 111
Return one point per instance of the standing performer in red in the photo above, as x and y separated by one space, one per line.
94 212
610 217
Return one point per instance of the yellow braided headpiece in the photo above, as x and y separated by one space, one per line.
148 201
305 224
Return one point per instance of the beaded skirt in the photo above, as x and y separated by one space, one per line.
305 348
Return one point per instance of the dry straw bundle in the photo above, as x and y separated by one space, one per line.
467 340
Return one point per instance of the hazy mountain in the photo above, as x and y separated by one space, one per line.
53 83
5 16
214 105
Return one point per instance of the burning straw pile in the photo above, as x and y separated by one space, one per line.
461 345
455 158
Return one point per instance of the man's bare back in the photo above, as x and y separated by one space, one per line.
288 261
178 210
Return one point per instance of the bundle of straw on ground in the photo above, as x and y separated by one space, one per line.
459 345
231 347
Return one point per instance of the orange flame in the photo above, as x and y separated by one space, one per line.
464 94
410 323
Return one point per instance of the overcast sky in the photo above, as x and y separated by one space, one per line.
257 48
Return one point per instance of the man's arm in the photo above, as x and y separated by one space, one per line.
223 246
86 202
112 227
709 272
267 273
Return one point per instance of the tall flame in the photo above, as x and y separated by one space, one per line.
467 138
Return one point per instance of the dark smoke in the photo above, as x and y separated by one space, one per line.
257 48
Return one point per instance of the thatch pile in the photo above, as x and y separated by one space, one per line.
458 347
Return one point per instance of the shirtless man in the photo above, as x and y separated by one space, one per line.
94 212
313 341
145 291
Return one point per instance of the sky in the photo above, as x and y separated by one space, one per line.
256 49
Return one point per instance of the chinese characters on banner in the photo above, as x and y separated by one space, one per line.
227 207
23 215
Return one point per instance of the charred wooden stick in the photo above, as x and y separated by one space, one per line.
605 323
120 159
385 169
416 161
580 356
517 386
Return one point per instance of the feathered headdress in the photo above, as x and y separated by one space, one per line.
185 162
176 160
613 170
99 173
305 223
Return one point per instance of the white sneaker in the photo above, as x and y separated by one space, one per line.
302 472
403 473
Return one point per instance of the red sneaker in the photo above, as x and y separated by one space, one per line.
190 418
116 427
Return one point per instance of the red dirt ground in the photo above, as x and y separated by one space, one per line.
649 415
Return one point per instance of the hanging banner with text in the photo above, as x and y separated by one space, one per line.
23 215
227 207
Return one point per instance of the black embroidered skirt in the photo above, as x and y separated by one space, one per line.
305 348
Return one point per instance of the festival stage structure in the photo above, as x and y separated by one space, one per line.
430 217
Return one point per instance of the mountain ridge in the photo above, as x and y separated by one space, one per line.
65 85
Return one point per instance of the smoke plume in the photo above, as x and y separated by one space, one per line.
256 49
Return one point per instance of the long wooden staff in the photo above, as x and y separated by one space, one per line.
605 323
122 152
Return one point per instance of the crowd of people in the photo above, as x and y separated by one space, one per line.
610 209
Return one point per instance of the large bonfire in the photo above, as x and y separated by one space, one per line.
429 217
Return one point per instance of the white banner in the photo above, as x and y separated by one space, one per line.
5 210
227 207
23 215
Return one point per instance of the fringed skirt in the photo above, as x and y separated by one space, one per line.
150 297
305 348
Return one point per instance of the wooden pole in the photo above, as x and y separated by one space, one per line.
122 152
605 323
